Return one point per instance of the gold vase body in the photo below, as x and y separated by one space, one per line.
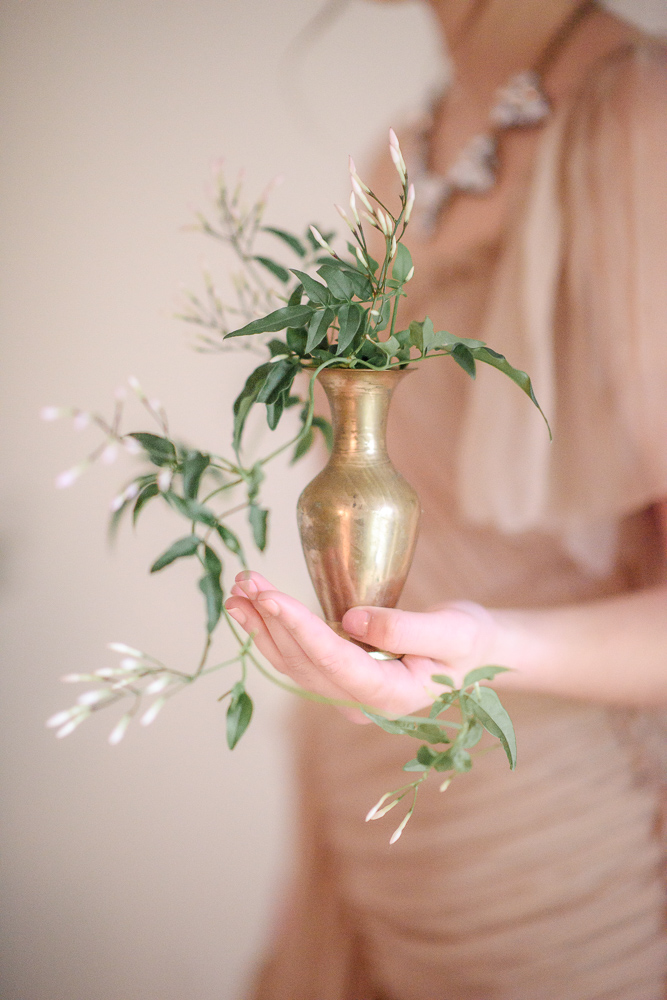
358 518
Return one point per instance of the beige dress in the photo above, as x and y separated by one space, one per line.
545 883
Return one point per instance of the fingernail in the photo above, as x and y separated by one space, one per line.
356 621
268 606
237 615
249 588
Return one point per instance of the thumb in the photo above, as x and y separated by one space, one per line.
450 633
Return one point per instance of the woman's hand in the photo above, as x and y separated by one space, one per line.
451 639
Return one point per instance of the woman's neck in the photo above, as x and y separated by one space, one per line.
491 40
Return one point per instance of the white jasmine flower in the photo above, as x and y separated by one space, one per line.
120 647
53 412
110 453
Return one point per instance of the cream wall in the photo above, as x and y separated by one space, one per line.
148 870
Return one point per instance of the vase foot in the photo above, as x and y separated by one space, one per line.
377 654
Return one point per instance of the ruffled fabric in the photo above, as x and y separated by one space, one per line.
579 300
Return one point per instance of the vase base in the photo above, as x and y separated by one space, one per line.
377 654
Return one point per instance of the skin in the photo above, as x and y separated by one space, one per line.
609 651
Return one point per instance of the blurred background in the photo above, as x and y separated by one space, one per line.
152 869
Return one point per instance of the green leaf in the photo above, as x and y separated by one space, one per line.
147 493
337 282
160 450
442 338
230 541
456 758
183 547
212 562
239 714
442 703
280 319
277 347
325 427
258 516
402 264
482 674
192 509
292 241
499 361
464 357
350 317
428 731
254 480
443 679
277 270
212 591
193 468
315 290
422 335
472 735
414 765
280 377
360 283
247 398
390 346
297 340
303 445
487 708
274 411
295 297
425 755
317 330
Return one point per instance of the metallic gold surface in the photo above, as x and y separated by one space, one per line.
358 518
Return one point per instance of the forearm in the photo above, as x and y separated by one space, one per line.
613 650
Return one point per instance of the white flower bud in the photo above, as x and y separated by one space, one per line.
117 503
344 217
60 718
93 697
353 206
409 274
120 647
81 420
445 785
76 678
70 726
49 413
398 163
131 491
152 712
119 731
164 479
360 194
110 453
352 168
68 477
159 685
371 218
129 664
409 203
393 140
394 248
360 257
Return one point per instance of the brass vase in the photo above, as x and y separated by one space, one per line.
358 518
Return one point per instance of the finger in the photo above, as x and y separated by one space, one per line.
251 583
447 634
384 684
243 611
247 616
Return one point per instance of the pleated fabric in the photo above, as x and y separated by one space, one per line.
546 883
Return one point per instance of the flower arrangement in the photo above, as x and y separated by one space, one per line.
344 315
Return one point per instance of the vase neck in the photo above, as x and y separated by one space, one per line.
359 402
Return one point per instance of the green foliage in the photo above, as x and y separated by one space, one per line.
345 316
239 714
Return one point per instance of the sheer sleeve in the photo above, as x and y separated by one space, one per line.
581 301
